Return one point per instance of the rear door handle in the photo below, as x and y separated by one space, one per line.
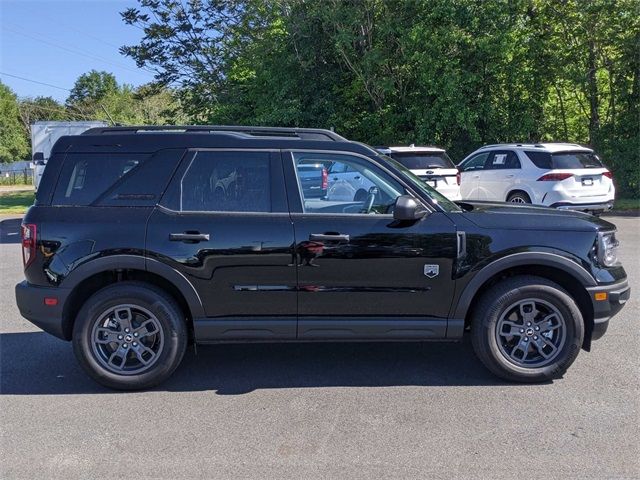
328 237
357 177
188 237
510 176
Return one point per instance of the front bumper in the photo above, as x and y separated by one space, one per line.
616 296
31 303
583 207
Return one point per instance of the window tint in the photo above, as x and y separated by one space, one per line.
226 182
540 159
502 161
354 186
85 178
423 160
475 163
571 160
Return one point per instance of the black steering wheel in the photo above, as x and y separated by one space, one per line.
368 203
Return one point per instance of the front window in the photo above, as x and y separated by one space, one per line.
344 184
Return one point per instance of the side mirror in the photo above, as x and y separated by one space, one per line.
408 208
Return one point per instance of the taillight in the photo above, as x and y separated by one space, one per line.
555 177
608 174
325 178
458 178
28 232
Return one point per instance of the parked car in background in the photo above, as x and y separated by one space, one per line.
313 179
560 175
431 164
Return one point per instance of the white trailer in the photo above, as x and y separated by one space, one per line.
45 134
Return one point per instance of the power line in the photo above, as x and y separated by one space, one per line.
76 51
34 81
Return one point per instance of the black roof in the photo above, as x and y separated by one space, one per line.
146 139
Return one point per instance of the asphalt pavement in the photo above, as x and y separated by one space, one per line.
404 410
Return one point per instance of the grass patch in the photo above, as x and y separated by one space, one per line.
627 204
15 202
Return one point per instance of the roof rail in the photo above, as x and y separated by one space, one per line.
301 133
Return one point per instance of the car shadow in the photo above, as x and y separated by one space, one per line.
10 230
35 363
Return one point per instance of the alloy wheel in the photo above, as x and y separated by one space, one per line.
531 333
127 339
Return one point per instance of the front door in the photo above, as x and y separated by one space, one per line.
362 275
470 172
224 225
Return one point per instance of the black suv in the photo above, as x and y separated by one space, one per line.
142 240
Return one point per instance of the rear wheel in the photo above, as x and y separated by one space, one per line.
527 329
130 335
519 197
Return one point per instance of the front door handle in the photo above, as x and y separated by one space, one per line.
193 237
357 177
510 176
328 237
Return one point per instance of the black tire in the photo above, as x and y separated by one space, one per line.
360 196
515 294
519 197
166 330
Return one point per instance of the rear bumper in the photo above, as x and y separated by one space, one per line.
617 295
31 303
583 207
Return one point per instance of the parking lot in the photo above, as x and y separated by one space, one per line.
364 410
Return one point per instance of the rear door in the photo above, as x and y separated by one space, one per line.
223 223
361 275
499 176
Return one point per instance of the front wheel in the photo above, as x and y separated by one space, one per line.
527 329
130 336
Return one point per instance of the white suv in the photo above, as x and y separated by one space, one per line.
561 175
431 164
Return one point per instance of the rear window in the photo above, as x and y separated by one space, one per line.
571 160
423 161
564 160
85 178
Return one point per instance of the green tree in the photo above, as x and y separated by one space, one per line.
13 139
92 87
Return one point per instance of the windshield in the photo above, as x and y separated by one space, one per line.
572 160
439 199
423 160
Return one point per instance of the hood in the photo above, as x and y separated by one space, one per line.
508 216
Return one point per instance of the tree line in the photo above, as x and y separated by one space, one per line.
96 95
454 73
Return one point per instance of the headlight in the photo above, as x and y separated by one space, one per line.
607 249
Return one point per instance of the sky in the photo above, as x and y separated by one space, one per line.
56 41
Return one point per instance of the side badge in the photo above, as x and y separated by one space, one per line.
431 271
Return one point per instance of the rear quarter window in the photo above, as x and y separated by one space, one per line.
540 159
114 179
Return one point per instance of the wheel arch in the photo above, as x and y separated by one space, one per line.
561 270
94 275
519 189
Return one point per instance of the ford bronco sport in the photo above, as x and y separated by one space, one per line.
144 239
